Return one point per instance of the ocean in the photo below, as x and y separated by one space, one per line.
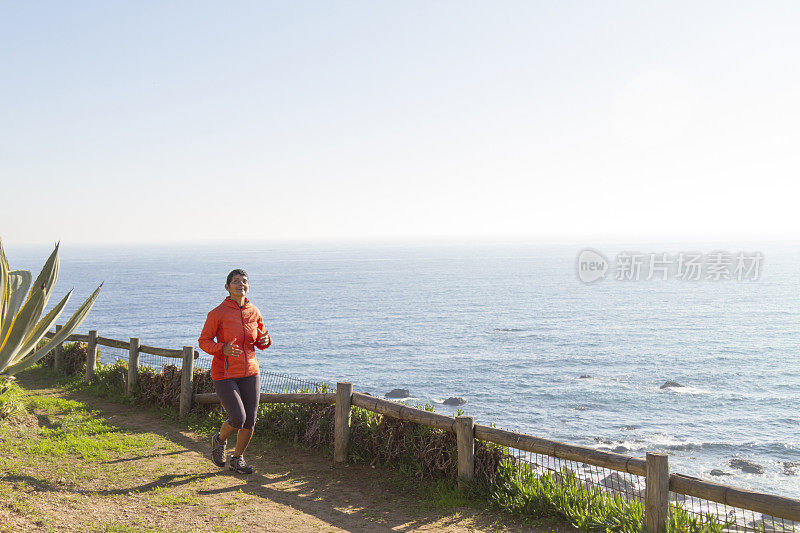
509 327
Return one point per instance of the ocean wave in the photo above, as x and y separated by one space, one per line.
673 444
581 343
636 445
686 390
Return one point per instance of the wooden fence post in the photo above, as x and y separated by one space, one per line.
91 355
59 353
656 509
341 427
187 371
133 366
465 440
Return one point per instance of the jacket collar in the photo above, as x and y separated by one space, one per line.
227 302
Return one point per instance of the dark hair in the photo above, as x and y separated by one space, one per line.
233 273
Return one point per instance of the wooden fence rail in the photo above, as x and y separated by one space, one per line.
559 450
134 347
403 412
768 504
654 468
125 345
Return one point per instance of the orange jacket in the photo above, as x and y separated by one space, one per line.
226 322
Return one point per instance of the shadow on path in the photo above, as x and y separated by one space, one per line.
164 481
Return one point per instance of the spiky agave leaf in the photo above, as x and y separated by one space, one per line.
44 284
4 271
49 274
22 324
74 321
37 333
19 281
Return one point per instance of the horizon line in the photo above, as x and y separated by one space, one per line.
587 240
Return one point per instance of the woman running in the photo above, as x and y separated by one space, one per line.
238 328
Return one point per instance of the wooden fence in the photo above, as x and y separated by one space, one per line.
188 354
654 468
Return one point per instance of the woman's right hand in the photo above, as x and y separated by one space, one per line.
231 350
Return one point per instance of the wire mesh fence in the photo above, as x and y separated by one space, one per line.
203 362
734 519
632 487
272 381
627 486
109 355
157 362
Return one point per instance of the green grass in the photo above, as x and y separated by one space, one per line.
164 496
70 428
12 398
109 381
442 495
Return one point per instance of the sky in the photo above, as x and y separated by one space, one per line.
164 122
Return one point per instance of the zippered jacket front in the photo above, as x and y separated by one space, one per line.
226 322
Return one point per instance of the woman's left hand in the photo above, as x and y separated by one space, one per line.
265 339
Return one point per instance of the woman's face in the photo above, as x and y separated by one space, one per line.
238 286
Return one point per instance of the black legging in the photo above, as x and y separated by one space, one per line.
240 398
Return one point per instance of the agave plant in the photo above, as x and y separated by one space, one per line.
20 327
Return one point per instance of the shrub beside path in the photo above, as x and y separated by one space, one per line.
80 463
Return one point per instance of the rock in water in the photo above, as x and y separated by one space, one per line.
718 472
790 468
455 401
398 393
746 466
670 384
617 483
584 376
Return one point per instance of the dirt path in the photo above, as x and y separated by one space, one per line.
158 477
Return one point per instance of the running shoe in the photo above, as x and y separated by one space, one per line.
238 465
218 451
